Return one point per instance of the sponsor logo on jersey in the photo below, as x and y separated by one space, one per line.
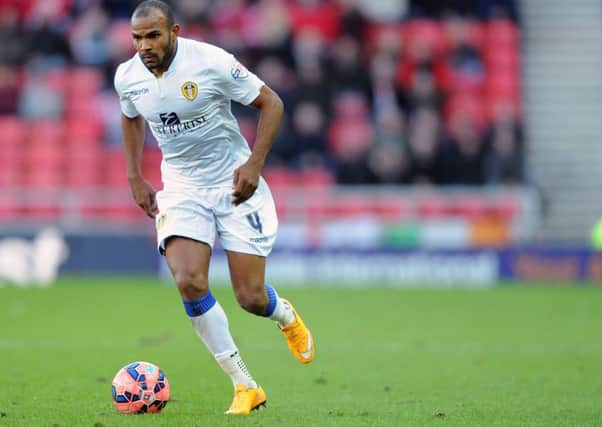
190 90
239 72
173 127
169 119
141 91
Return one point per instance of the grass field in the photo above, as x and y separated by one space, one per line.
505 357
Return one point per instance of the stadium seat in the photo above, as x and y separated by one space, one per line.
81 107
151 166
322 19
503 84
58 79
315 177
45 132
427 32
469 104
502 60
85 82
501 32
474 34
13 131
83 131
377 35
84 166
116 173
11 174
279 177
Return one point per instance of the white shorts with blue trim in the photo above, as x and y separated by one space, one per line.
201 214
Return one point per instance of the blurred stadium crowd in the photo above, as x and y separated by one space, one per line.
386 91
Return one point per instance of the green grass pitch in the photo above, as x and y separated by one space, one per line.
510 356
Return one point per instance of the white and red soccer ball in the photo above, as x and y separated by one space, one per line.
140 387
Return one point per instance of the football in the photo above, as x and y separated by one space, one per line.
140 387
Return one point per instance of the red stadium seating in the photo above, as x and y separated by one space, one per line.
425 32
84 82
85 166
501 32
12 131
71 152
84 131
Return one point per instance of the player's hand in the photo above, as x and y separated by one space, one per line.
144 195
246 180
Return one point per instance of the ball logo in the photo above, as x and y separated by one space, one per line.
190 90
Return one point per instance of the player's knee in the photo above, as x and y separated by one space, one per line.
253 302
191 285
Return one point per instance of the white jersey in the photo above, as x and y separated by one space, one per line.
188 112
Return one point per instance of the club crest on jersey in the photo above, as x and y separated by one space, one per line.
190 90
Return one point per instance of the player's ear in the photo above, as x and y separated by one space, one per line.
175 30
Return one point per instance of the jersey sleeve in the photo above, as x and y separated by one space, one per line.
236 81
127 106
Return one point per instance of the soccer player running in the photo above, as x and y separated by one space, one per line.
212 181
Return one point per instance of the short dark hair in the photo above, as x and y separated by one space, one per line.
144 9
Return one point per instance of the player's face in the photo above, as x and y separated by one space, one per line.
154 40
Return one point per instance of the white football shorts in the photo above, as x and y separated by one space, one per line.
250 227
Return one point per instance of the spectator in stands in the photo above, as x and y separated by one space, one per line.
46 24
306 142
464 60
192 12
350 138
226 18
423 93
388 161
424 137
266 28
278 76
383 11
9 90
352 21
504 161
311 84
13 47
464 152
38 100
347 69
385 94
388 164
88 37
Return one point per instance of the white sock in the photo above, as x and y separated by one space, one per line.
233 365
213 329
283 313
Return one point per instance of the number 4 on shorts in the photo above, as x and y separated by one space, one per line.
255 222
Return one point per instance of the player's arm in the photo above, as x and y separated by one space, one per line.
246 177
133 142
